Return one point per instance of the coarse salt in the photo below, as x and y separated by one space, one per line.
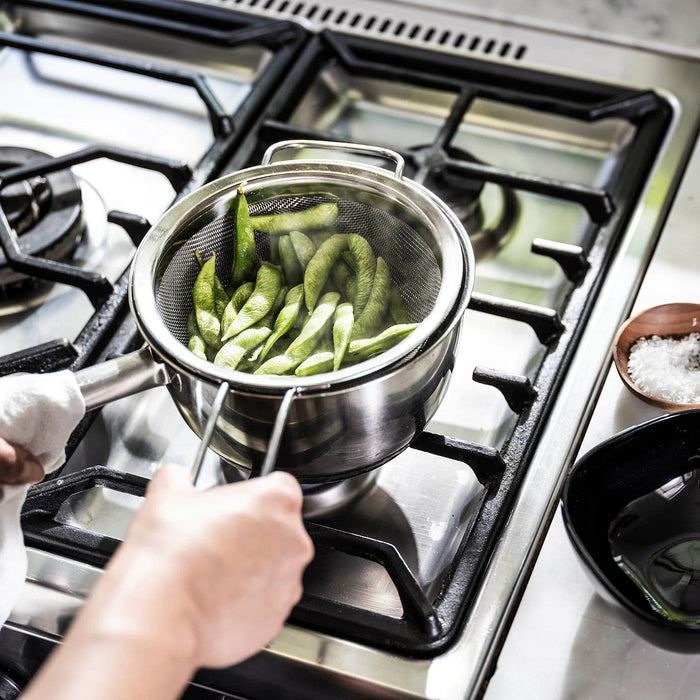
668 368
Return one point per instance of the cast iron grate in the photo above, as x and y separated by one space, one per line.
283 38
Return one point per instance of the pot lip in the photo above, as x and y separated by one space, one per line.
455 291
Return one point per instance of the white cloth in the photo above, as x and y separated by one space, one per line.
37 412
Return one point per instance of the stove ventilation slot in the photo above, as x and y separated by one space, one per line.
319 16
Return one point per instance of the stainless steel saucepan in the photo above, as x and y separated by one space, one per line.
328 426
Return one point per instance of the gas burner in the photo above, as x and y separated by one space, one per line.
44 211
319 499
487 211
322 499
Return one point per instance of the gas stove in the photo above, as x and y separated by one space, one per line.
560 155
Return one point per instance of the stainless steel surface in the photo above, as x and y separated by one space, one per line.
123 376
55 587
100 510
460 672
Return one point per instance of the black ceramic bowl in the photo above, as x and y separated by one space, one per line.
606 479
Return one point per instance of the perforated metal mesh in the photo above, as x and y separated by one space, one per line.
414 269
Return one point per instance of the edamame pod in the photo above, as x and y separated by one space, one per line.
234 351
198 346
360 350
244 254
319 267
344 278
285 319
293 271
316 364
368 321
267 285
342 327
221 297
235 304
314 217
306 341
204 306
365 265
192 324
304 247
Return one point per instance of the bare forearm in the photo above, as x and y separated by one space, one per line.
108 668
126 643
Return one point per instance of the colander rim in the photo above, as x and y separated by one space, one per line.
457 268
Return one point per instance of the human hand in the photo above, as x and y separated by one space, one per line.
17 466
210 576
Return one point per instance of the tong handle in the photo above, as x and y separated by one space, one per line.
209 429
273 446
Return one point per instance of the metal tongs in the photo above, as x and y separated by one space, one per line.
273 444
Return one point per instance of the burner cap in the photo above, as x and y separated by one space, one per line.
44 211
486 219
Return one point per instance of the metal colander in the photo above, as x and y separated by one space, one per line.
415 271
424 245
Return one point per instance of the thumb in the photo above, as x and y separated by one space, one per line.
170 477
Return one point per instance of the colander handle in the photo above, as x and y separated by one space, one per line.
360 149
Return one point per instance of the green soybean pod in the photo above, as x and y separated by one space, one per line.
343 277
370 318
397 308
316 364
221 297
244 254
235 304
268 321
234 351
304 247
204 306
267 285
360 350
365 265
319 236
197 345
285 318
342 327
192 324
313 330
319 267
318 216
292 269
306 342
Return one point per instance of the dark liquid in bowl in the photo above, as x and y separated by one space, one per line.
655 540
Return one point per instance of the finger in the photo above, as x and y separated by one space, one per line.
17 466
170 477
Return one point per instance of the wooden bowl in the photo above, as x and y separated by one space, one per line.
667 320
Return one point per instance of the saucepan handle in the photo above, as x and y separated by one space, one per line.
360 149
122 376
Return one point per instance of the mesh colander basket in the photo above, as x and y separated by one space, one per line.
423 244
